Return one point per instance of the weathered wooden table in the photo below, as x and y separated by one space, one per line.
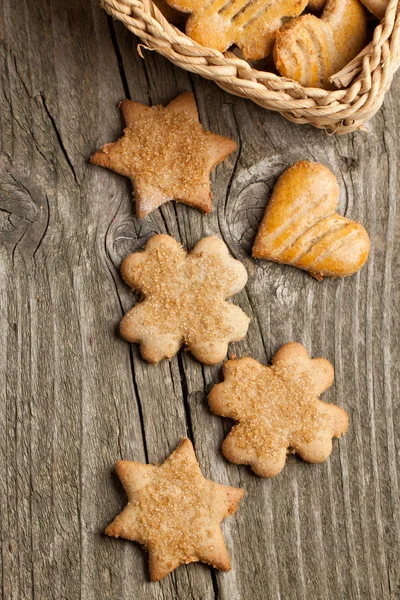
75 397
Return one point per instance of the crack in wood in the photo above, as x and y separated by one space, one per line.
118 55
130 350
59 138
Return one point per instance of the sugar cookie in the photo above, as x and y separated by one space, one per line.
278 410
175 512
184 299
166 153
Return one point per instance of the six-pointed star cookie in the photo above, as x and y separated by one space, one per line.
278 410
175 512
167 154
184 299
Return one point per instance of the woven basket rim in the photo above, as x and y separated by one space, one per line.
361 85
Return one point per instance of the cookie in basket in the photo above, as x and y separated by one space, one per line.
184 299
175 512
311 49
166 153
277 410
301 228
250 24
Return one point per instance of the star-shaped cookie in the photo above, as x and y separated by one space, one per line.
175 512
184 299
166 153
278 410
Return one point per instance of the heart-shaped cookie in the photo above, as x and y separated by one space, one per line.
301 228
311 49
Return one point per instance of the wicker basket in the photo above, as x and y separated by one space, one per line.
361 84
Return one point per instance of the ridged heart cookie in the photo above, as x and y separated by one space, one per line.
310 50
301 228
251 24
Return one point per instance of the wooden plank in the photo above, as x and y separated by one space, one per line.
76 397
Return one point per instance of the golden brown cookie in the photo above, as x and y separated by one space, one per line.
377 7
301 228
251 25
175 512
184 299
166 153
278 410
311 49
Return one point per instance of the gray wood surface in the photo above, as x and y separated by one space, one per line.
75 397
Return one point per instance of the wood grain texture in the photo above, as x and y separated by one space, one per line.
75 397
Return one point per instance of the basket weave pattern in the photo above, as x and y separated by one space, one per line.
362 84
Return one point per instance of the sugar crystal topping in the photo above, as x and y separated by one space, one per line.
276 406
185 293
171 152
176 509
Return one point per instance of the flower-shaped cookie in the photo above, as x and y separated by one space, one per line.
175 512
184 299
278 410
